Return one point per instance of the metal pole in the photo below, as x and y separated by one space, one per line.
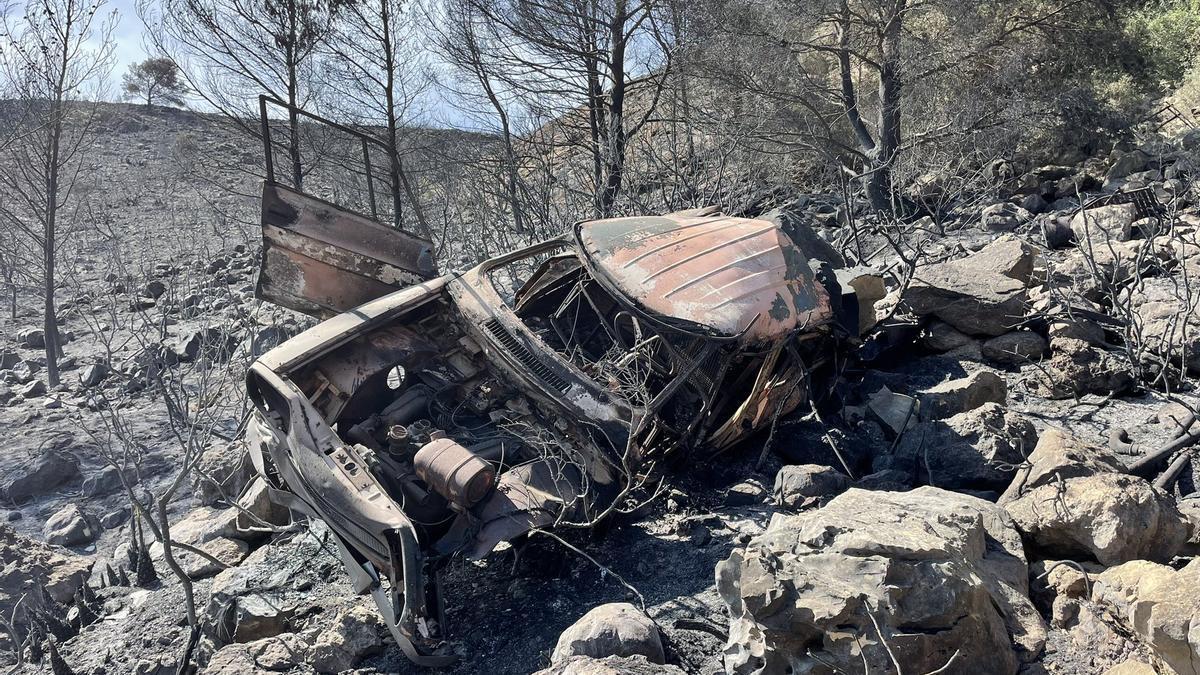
370 182
266 135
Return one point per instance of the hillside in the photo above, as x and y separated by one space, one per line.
873 345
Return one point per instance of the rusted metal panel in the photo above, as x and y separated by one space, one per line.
735 276
321 260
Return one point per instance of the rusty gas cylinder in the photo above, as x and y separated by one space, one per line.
454 472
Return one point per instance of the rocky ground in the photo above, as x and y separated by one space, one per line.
978 501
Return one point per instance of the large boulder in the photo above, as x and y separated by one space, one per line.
1098 226
975 450
1109 517
31 338
610 665
960 395
1007 256
934 574
614 629
942 337
244 608
279 653
1077 368
351 634
27 565
1125 163
1102 267
1015 349
213 343
25 477
1158 604
1004 217
71 526
975 294
802 485
222 473
1167 310
1061 455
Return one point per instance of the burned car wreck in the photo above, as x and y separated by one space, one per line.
433 415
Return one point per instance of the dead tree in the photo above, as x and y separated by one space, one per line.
464 41
60 54
861 74
578 64
230 51
377 72
197 394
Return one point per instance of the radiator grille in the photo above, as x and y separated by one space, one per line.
518 351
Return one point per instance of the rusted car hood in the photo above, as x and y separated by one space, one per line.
736 277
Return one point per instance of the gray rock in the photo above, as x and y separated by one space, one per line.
1096 227
1060 455
258 616
969 295
1158 604
24 371
1109 517
975 450
944 570
247 603
228 552
255 501
888 480
610 665
105 481
1056 230
1077 328
31 338
614 629
1127 163
803 485
28 564
942 337
1169 315
222 473
1015 349
1035 204
71 526
24 478
999 171
219 263
1004 217
1007 256
93 375
1076 368
962 394
346 638
1092 270
745 493
212 343
34 389
113 519
154 289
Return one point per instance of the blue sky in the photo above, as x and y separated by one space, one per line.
128 37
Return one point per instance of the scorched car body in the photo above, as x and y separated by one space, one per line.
433 414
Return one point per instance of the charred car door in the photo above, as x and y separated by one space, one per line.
321 259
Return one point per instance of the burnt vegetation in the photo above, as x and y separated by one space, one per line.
392 335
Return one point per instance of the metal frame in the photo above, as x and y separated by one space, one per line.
365 139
